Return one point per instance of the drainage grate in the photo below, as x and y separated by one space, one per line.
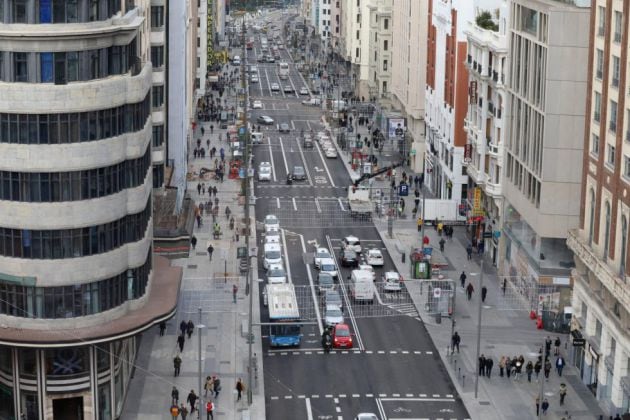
191 266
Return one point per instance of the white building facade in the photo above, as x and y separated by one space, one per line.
487 67
380 48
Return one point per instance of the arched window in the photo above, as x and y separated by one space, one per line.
591 222
607 232
624 247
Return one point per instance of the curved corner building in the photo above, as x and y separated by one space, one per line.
77 277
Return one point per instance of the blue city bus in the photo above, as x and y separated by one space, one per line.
284 315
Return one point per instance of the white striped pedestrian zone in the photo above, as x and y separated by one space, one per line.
408 309
317 351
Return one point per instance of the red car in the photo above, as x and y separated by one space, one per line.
341 337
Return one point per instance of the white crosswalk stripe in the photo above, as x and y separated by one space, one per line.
408 309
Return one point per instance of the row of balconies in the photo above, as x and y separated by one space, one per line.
491 74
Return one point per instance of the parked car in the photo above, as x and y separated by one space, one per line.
271 222
284 128
275 87
264 171
257 104
312 102
325 282
330 152
276 274
327 265
303 91
288 89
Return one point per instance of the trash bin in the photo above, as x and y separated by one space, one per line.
438 318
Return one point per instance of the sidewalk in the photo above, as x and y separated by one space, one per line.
207 285
505 332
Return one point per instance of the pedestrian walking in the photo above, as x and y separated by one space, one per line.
208 386
518 369
469 290
177 364
489 365
462 279
190 327
198 185
174 411
562 392
537 406
175 396
419 224
455 340
210 250
217 387
180 341
560 365
240 387
209 410
547 346
529 369
504 286
162 328
193 242
469 251
508 367
501 366
442 242
182 326
234 292
211 129
537 369
547 369
482 365
183 411
192 399
484 292
557 346
544 406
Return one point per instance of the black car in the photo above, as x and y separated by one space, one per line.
298 174
349 258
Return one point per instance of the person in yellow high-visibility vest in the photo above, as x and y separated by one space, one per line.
419 223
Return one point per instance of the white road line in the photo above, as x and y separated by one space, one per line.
286 256
309 411
319 209
347 300
274 398
273 167
341 205
381 410
321 156
293 125
278 201
313 295
267 79
284 156
294 203
288 397
338 410
308 172
420 399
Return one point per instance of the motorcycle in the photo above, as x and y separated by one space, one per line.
327 342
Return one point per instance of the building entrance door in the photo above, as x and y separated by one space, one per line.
68 408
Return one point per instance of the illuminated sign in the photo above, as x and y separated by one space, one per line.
210 35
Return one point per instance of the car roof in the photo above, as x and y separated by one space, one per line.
327 261
374 251
391 274
351 238
320 249
272 247
332 306
342 327
276 267
269 215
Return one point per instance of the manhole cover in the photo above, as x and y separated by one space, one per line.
484 402
191 266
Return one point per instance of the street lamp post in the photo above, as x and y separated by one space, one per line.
200 328
480 308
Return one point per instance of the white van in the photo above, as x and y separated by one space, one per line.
272 255
361 286
257 138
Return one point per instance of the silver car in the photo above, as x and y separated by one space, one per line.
333 315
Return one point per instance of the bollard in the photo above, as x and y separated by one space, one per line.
403 257
459 372
464 381
455 363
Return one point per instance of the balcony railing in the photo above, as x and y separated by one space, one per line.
599 74
628 135
491 108
600 31
479 68
617 37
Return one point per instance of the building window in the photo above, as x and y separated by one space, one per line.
591 224
601 15
20 14
626 166
357 52
613 116
599 70
624 246
157 96
385 45
607 232
157 56
616 68
157 16
610 156
20 66
158 135
595 144
618 26
358 34
385 23
158 176
597 107
384 65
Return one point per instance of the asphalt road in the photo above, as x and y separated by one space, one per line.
394 369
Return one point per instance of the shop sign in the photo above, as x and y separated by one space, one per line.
477 210
579 342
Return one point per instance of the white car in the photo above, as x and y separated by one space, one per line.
330 152
272 222
276 274
375 258
265 119
328 266
392 281
367 267
257 104
353 243
320 254
272 255
333 315
275 87
366 416
254 78
303 91
264 172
